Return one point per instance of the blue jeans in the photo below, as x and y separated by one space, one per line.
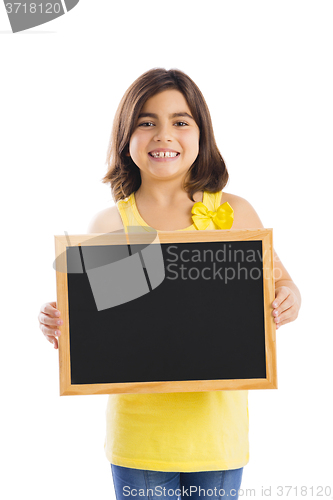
155 485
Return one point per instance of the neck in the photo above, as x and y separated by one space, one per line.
164 194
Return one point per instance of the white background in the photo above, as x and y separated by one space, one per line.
265 69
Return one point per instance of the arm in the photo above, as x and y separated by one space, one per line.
287 300
106 221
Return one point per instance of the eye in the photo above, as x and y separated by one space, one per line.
145 123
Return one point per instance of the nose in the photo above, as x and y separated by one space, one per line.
163 132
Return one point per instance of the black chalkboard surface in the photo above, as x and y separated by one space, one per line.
206 324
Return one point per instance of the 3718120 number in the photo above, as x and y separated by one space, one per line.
33 8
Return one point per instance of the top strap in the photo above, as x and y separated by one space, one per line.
212 200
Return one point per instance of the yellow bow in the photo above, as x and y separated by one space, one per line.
223 217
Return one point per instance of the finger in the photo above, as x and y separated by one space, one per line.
285 305
281 294
287 316
49 331
50 308
53 341
47 320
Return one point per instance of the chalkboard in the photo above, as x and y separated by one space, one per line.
167 312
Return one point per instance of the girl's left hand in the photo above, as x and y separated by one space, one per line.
285 305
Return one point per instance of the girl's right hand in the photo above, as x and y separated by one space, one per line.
48 318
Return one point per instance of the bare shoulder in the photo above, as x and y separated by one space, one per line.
245 216
106 221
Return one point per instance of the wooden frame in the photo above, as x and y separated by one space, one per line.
265 235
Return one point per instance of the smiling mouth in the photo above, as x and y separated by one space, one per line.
166 154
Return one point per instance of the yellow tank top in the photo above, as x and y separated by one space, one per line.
179 431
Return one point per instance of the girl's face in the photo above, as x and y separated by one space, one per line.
165 124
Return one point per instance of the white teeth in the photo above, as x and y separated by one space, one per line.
162 154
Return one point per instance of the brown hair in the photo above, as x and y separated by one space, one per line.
207 173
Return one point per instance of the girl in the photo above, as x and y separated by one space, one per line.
163 162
